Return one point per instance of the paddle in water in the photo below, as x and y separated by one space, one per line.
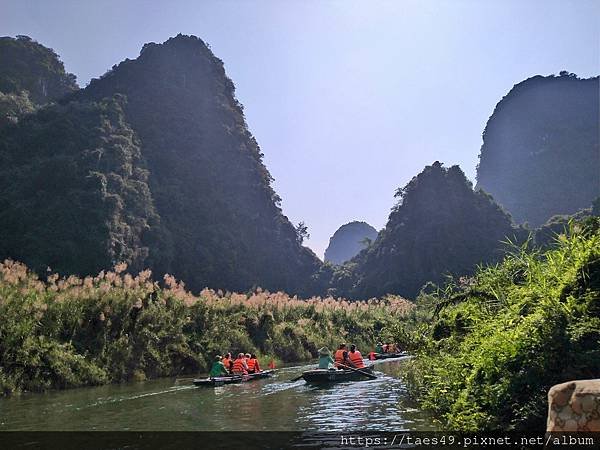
296 378
366 374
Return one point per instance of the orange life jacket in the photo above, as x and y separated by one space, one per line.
339 357
227 363
356 359
251 364
239 366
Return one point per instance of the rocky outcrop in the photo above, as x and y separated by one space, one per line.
574 406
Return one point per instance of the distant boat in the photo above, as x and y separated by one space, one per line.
389 355
232 379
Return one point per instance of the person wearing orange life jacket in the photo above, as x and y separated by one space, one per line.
341 357
355 358
239 365
253 366
227 362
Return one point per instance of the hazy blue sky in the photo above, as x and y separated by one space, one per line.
348 100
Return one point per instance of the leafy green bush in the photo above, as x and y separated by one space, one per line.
504 337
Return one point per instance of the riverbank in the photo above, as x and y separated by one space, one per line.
115 327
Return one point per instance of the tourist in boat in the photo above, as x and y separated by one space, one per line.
228 362
325 359
240 367
218 369
379 348
253 366
355 358
341 357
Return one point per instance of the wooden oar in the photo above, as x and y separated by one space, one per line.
295 379
366 374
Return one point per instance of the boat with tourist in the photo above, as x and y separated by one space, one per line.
326 376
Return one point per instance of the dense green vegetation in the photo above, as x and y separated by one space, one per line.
348 241
439 227
113 327
74 192
489 347
152 164
221 224
13 107
27 66
30 75
541 149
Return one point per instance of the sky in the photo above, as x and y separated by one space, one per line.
347 99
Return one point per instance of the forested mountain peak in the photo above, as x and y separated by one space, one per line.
540 154
159 170
26 65
440 226
348 241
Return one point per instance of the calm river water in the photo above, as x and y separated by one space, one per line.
269 404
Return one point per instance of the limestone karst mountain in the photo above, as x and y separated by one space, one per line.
541 155
348 241
165 163
440 226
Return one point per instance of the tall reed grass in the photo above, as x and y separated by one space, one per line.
72 331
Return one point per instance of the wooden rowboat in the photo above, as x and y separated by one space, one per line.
319 376
389 355
232 379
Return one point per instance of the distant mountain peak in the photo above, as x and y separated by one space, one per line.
348 241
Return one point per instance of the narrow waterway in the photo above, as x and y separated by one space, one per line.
268 404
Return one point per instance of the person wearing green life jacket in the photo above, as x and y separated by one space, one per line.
325 359
379 348
218 368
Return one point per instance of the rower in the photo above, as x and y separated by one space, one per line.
325 359
228 362
218 369
356 359
239 365
379 348
341 356
253 366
